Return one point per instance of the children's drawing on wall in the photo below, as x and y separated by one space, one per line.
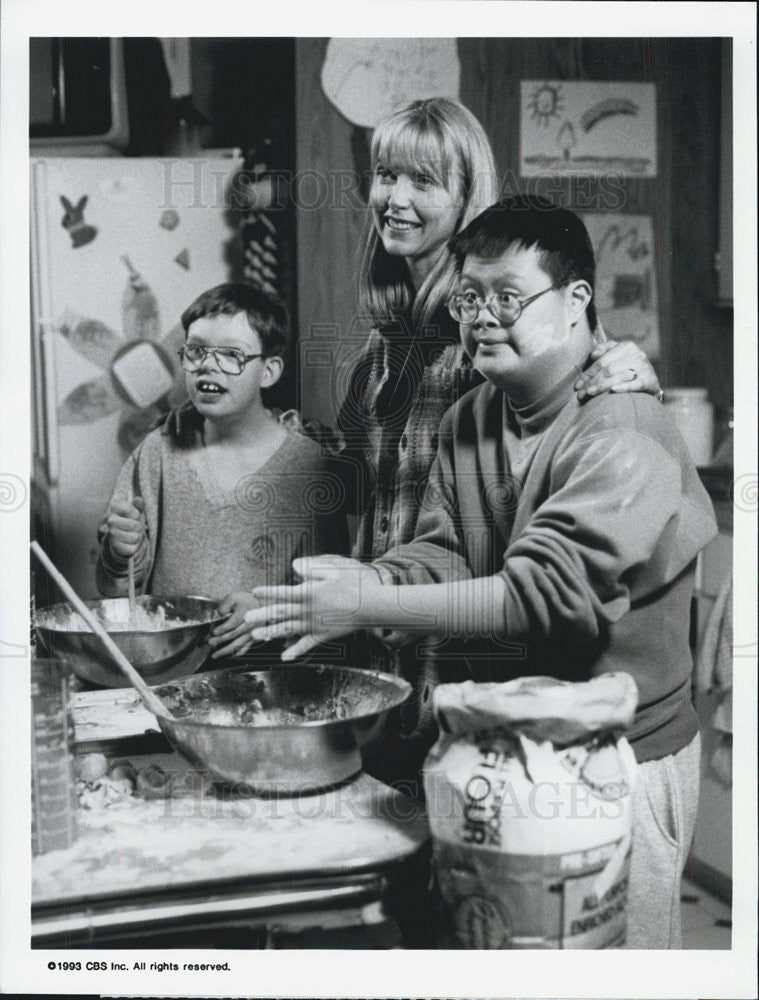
625 287
589 128
140 378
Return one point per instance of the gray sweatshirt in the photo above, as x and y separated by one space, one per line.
593 515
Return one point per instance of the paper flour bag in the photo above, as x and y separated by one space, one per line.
529 795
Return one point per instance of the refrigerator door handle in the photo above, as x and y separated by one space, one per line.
51 454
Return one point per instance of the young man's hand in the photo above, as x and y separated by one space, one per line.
125 524
334 598
617 367
232 636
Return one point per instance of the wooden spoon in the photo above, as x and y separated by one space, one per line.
152 702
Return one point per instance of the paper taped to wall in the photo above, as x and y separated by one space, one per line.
587 128
365 78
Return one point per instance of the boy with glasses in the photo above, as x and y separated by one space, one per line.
570 528
224 498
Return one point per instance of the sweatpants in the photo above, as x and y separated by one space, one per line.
665 803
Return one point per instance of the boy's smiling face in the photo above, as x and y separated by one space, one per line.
528 357
215 394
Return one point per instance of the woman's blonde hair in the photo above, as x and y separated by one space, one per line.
442 138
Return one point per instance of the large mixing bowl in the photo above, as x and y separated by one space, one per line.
159 654
280 730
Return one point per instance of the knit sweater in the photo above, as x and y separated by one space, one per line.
206 539
593 515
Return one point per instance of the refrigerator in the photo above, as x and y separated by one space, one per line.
119 248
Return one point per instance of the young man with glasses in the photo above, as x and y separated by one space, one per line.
222 499
568 528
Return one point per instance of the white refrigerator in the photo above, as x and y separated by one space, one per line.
119 248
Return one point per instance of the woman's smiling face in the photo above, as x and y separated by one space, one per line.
414 212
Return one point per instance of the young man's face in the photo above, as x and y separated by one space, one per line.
214 393
528 357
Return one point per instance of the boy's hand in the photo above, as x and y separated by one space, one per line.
232 636
125 522
333 599
617 367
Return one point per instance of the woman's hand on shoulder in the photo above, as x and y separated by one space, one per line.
618 366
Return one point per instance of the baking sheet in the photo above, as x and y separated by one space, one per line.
104 716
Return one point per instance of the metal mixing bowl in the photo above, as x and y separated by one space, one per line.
307 726
159 656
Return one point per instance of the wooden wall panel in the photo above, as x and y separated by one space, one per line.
700 335
330 220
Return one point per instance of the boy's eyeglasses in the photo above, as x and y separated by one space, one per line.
507 307
229 360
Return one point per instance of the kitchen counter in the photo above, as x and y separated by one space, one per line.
207 856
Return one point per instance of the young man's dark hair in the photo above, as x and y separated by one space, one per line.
266 315
566 253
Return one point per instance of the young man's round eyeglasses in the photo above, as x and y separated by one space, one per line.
229 360
507 307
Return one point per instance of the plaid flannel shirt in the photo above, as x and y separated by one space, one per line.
388 426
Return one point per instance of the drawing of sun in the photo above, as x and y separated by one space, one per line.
545 103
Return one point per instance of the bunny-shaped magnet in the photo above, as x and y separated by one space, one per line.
80 232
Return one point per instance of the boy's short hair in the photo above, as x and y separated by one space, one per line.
266 315
566 253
